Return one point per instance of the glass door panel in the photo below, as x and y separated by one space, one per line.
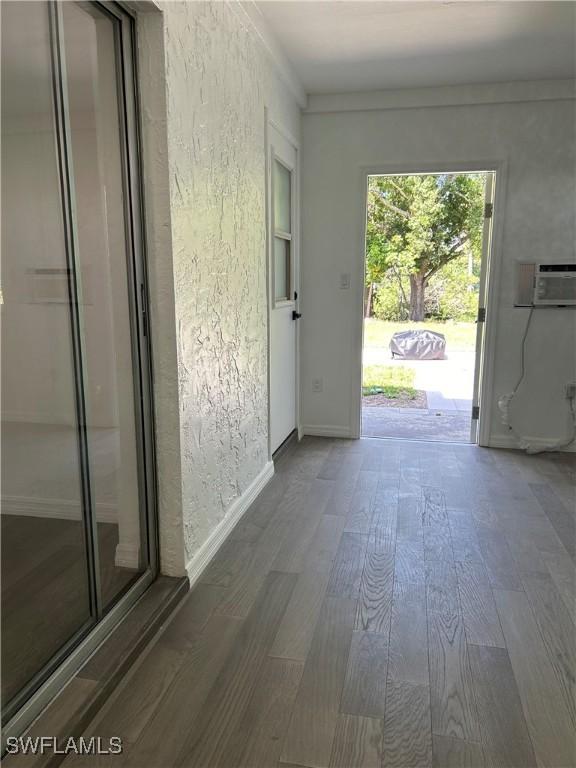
77 471
282 207
45 564
282 198
281 269
91 42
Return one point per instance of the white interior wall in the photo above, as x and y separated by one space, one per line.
219 78
534 142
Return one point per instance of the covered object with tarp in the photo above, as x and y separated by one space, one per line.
418 345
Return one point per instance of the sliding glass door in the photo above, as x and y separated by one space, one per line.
77 465
44 546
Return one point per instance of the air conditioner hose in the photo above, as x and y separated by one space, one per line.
504 406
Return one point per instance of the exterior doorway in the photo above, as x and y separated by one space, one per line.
427 255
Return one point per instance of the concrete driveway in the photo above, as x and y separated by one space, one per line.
448 383
449 387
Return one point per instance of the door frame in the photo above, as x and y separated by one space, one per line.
269 122
486 369
479 348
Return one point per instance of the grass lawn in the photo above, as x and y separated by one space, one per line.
377 333
389 381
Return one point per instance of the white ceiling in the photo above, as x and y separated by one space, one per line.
362 45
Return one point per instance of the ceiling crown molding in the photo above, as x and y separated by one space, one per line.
251 14
445 96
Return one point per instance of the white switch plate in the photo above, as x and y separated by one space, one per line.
317 385
344 280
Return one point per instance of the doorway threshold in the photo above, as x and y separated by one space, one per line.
286 447
418 440
434 425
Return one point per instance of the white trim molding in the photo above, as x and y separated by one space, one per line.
502 441
446 96
127 555
249 12
509 441
204 555
326 430
58 509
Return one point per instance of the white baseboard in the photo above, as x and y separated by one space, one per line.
198 563
34 417
501 441
50 419
59 509
326 430
127 556
509 441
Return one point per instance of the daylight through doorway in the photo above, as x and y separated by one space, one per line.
427 238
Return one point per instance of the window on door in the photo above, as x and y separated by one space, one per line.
282 218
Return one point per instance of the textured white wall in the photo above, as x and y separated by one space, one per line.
536 142
219 80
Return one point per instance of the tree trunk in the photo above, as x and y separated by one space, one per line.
368 301
417 287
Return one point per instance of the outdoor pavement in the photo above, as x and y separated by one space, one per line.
448 385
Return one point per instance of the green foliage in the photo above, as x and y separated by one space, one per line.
452 293
388 380
416 227
388 303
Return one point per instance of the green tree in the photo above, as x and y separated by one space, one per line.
418 224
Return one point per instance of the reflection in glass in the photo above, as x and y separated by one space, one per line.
281 269
45 592
282 198
67 343
91 60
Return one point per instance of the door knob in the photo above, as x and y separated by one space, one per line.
296 315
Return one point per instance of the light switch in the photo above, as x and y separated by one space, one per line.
344 280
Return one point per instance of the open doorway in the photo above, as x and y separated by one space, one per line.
426 270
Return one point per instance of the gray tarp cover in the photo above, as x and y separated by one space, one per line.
418 345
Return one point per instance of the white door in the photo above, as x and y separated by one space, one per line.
482 300
283 267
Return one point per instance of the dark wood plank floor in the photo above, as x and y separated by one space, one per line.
44 590
381 604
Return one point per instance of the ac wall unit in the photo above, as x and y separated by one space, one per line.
554 285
